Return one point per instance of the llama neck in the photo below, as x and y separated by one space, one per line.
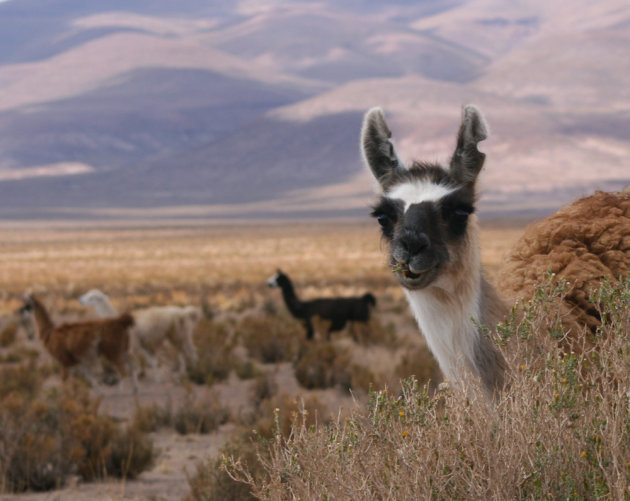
42 320
105 308
290 298
450 314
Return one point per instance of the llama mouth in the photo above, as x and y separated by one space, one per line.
413 279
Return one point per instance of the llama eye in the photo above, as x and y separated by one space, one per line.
463 211
383 219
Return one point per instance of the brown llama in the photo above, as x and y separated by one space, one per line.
79 344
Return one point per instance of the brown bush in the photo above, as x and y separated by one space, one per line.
419 363
46 437
270 339
251 450
560 431
322 365
202 416
214 347
8 334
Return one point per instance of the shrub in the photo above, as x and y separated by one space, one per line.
561 430
419 363
8 334
131 453
47 437
322 365
251 450
150 418
24 379
200 416
214 348
270 339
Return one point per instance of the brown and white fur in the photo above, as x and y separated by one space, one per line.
426 213
154 325
79 344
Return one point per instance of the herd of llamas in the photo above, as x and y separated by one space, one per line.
427 215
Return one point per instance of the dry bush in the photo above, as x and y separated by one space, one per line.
214 347
419 363
264 388
131 453
149 418
326 365
47 437
323 365
561 430
24 379
270 339
374 332
200 416
251 449
8 334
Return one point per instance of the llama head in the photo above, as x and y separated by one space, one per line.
92 298
277 279
424 210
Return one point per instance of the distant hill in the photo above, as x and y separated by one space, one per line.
241 109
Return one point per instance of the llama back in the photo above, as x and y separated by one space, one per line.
70 342
114 335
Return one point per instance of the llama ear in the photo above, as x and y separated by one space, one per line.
467 160
377 148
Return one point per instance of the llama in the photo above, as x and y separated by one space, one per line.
79 344
154 325
426 213
339 310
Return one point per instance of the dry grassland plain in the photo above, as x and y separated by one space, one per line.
248 344
156 265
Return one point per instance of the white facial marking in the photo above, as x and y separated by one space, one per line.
418 191
273 280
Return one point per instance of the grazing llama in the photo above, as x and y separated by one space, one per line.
154 325
79 344
426 213
339 311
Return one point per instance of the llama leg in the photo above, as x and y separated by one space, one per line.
87 374
336 325
309 328
137 347
131 368
190 351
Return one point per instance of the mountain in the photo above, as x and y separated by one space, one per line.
253 108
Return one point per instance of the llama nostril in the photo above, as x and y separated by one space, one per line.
415 243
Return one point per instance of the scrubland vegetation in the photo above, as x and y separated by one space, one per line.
561 430
296 419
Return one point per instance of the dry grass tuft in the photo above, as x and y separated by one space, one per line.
251 448
46 437
561 430
214 344
270 339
